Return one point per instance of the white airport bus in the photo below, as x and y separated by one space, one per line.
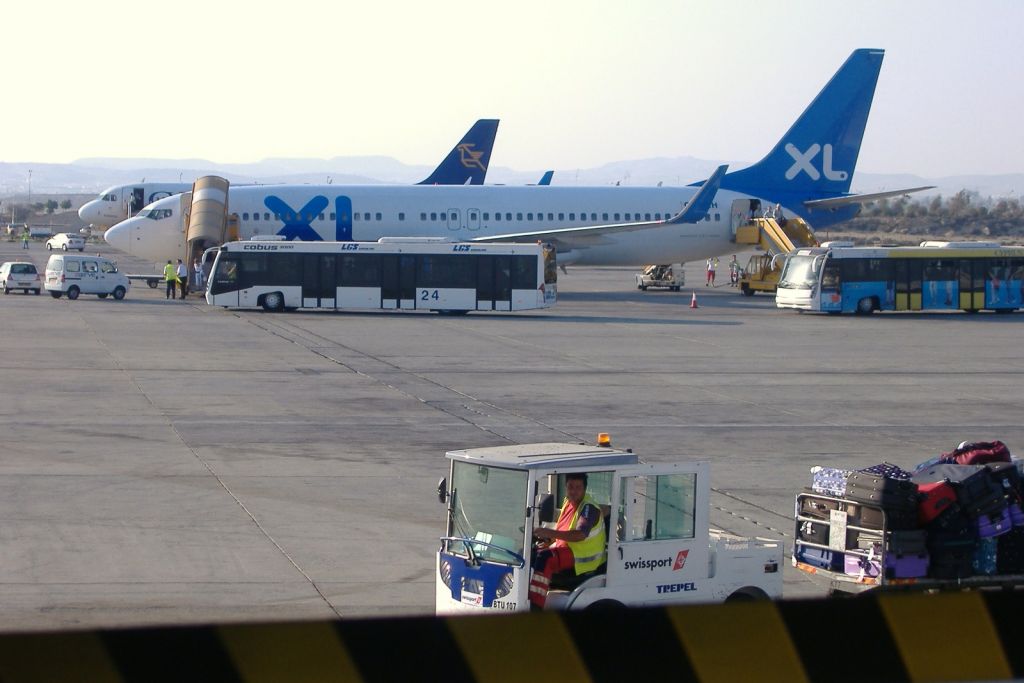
392 273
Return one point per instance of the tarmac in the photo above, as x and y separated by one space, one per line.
169 462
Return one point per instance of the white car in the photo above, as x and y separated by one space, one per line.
20 275
65 241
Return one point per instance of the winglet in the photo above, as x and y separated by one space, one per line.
546 178
467 163
699 203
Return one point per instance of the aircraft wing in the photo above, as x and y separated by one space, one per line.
589 235
836 202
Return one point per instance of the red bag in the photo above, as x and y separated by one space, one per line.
935 499
978 453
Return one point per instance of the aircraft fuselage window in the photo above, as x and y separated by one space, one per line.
378 216
355 216
366 216
333 215
718 216
472 215
529 216
245 216
433 215
604 216
266 216
497 216
572 216
616 216
423 216
508 216
487 216
321 216
401 216
647 216
519 216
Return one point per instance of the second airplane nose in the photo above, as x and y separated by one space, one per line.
119 236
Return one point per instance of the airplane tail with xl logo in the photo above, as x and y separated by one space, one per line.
816 157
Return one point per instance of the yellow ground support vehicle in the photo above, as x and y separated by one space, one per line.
668 275
761 274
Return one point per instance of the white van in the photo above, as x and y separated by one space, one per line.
76 275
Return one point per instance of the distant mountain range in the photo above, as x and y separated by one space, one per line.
90 176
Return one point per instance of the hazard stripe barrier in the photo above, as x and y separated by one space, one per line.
891 637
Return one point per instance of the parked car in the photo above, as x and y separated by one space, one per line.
20 275
65 241
74 275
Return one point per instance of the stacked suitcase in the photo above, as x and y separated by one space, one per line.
946 521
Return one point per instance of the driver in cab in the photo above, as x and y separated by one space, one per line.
577 543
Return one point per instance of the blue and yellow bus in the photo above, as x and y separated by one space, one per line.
840 278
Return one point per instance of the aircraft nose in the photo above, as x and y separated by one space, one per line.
119 236
88 212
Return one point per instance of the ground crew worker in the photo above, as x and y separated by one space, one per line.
24 238
734 271
579 542
171 276
182 272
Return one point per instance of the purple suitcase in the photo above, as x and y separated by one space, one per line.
906 566
990 526
855 565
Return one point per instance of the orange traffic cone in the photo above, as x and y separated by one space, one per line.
693 300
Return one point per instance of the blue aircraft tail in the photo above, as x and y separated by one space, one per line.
467 163
816 157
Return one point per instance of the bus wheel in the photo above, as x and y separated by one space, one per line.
603 606
1004 311
273 302
866 305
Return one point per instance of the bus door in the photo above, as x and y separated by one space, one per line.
319 280
1002 290
398 281
503 283
901 275
831 286
972 285
454 222
914 270
939 285
485 283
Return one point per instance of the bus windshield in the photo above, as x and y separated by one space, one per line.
799 273
488 504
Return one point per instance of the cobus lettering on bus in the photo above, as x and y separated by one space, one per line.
260 247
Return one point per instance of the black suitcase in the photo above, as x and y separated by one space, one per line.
870 517
1010 553
813 532
952 557
817 506
1007 476
977 490
951 520
891 494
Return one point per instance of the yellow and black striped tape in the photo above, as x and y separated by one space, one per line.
884 637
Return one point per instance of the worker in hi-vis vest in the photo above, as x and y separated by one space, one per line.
578 541
171 277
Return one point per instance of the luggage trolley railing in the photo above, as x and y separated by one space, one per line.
839 541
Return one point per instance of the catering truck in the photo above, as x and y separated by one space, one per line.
660 547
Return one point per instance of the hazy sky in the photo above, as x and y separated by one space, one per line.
575 84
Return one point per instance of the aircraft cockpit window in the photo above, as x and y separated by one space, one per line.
156 214
109 198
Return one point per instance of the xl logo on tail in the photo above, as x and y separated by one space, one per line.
469 158
803 163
